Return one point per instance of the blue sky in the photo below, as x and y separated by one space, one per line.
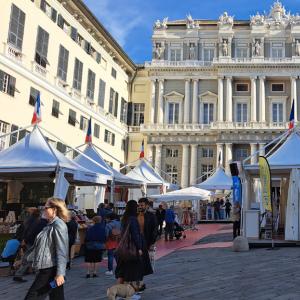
130 21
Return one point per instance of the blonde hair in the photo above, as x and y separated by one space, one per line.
61 208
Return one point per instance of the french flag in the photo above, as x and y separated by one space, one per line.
88 138
292 117
37 115
142 154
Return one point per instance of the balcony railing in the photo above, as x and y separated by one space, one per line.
38 69
256 60
182 63
212 126
12 52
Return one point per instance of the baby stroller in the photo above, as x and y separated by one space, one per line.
179 231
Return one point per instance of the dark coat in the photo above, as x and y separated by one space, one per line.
96 233
150 229
160 215
32 228
72 231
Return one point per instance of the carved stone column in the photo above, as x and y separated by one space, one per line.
228 150
160 101
253 147
194 164
185 166
262 99
253 99
294 96
220 99
195 102
152 104
158 149
187 102
229 99
150 153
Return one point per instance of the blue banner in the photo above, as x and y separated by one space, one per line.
236 189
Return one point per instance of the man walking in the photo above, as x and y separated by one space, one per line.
160 216
236 218
169 219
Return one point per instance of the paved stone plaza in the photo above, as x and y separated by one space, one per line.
202 273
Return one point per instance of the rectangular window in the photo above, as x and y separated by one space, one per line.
123 145
101 96
77 80
87 47
175 54
242 87
173 113
123 115
111 100
61 147
41 49
208 54
83 123
205 171
208 113
14 136
109 137
91 85
3 130
7 83
116 104
172 172
98 57
242 52
277 112
16 27
33 96
72 117
207 152
63 59
171 152
55 109
113 73
277 52
277 87
138 114
74 33
96 130
241 112
241 153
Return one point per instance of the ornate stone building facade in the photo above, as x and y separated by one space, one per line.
215 90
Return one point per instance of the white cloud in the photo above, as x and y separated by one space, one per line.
118 17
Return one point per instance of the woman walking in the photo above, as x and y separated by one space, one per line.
129 270
94 246
50 253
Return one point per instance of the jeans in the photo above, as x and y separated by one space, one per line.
236 228
169 231
41 288
227 214
110 259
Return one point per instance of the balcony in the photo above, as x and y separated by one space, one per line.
134 128
255 60
38 69
178 64
12 52
151 128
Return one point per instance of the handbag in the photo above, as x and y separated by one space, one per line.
95 245
126 250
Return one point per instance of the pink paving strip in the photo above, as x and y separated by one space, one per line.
165 248
209 245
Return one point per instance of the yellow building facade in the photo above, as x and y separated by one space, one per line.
60 50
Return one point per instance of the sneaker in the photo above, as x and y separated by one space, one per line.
109 273
19 279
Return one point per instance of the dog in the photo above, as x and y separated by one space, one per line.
122 290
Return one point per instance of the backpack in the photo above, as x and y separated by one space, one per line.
115 234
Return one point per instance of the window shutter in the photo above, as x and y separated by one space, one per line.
113 139
11 86
60 21
53 15
98 57
43 5
129 113
73 33
87 47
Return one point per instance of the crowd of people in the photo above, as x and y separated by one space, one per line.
46 240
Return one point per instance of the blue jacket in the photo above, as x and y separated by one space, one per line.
96 233
170 216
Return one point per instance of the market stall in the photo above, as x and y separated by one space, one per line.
284 162
92 160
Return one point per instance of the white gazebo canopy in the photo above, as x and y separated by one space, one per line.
144 172
285 157
98 165
33 158
218 181
189 193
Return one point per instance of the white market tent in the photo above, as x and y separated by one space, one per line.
189 193
218 181
34 158
144 172
98 165
284 164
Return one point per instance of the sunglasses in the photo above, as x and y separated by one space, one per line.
47 207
